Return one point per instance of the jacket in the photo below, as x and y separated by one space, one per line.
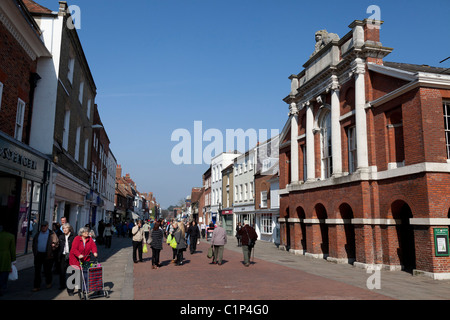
79 248
193 232
7 251
157 239
138 234
219 237
51 250
247 232
62 243
181 241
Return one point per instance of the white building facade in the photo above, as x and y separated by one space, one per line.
218 163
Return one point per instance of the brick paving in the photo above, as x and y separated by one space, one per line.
275 275
197 279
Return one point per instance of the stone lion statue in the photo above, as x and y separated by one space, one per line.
322 39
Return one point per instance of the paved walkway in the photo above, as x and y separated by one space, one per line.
274 275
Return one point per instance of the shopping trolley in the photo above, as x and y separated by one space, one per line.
92 281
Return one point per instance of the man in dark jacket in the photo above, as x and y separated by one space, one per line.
45 244
65 244
194 235
248 238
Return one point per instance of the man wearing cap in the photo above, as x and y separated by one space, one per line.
44 246
248 238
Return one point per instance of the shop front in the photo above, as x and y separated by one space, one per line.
227 221
23 190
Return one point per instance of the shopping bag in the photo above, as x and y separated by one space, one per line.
169 239
173 243
144 249
210 253
13 275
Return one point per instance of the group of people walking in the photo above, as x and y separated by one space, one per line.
181 238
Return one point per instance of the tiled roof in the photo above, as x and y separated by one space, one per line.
416 67
34 7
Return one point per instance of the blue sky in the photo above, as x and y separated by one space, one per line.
160 65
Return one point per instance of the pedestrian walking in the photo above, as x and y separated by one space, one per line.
194 235
107 235
82 247
203 227
156 244
65 244
44 246
138 239
179 235
238 237
7 257
248 238
147 227
218 241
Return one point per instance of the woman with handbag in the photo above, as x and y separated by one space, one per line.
179 236
156 244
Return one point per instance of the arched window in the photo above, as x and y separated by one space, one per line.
325 144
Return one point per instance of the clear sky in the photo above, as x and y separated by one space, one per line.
160 65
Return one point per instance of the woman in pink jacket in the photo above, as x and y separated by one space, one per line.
83 245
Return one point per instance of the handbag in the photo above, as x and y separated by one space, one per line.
13 275
145 249
210 252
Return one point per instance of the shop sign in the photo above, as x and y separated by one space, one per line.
18 158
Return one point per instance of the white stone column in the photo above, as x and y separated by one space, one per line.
360 116
310 155
294 143
336 130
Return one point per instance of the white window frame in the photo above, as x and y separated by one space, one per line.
65 142
352 162
81 93
71 67
86 148
446 106
77 144
88 111
18 130
305 163
325 146
266 223
263 199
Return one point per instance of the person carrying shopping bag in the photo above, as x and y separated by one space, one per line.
179 236
218 241
138 239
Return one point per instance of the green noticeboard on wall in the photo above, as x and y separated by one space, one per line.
441 242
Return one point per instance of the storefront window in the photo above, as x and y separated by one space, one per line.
28 216
266 223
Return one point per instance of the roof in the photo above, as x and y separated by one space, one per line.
416 67
35 7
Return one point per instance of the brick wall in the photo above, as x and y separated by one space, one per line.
16 67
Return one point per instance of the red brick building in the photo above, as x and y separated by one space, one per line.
364 157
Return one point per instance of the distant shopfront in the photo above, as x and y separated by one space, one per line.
227 221
23 190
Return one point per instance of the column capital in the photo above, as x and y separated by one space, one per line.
293 109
